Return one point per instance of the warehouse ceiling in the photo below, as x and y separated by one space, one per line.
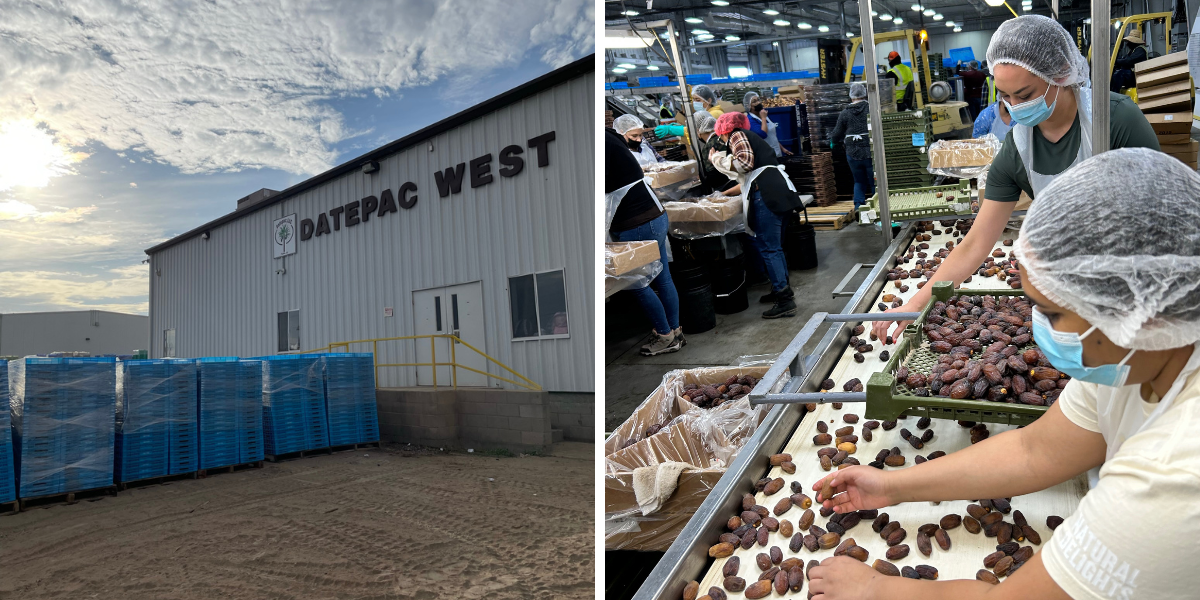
747 21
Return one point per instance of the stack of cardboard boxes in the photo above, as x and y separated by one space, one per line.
1164 93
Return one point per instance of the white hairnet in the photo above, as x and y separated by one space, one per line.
748 99
705 122
704 92
624 123
1041 46
1116 240
858 91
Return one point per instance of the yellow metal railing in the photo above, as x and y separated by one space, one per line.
524 382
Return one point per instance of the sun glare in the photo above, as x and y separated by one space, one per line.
29 156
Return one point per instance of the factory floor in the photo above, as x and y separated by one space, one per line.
630 377
398 522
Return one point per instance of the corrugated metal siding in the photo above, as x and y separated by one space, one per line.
95 331
222 295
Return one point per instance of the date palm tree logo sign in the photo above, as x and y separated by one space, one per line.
284 233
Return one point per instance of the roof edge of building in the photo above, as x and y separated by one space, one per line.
560 75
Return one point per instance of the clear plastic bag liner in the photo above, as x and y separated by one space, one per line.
756 360
63 422
622 257
153 392
671 180
309 378
707 216
638 278
964 159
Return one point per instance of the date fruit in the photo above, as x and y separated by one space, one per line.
886 568
943 539
721 550
985 575
758 589
691 589
950 521
1052 521
923 544
731 567
927 572
897 552
734 584
785 528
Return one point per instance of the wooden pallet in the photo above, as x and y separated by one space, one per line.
161 479
202 473
299 454
10 508
67 497
833 217
349 447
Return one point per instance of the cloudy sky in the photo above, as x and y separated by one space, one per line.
123 124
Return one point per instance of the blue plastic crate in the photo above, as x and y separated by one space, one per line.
293 403
350 398
8 485
965 54
230 411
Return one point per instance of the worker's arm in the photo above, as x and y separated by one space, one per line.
844 578
964 260
839 130
758 128
734 191
1135 57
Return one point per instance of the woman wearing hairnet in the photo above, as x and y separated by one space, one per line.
703 98
851 130
1043 81
760 124
1110 256
711 180
767 198
630 128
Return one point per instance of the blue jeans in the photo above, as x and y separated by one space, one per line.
768 241
659 300
864 180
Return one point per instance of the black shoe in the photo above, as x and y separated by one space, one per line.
783 308
775 297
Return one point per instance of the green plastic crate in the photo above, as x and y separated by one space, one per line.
888 399
921 202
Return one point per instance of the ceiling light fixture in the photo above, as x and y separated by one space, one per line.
631 13
885 17
782 22
917 8
957 29
627 66
898 21
651 68
732 38
803 25
694 20
823 29
929 12
849 34
618 70
770 11
938 17
699 31
720 3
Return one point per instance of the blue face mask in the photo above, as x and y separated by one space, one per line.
1034 111
698 105
1064 350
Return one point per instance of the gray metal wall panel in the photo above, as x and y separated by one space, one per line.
222 295
95 331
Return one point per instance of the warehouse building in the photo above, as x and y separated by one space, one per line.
479 226
96 332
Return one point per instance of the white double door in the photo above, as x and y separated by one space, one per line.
456 310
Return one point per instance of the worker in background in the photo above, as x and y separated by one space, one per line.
851 130
638 215
973 83
902 80
1043 81
703 98
1110 258
711 180
666 107
768 197
760 124
994 120
1133 51
630 128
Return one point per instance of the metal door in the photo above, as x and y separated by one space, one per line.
456 310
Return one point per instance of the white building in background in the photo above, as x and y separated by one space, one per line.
95 331
480 225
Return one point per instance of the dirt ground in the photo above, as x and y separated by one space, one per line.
395 523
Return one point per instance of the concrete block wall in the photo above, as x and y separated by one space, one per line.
575 414
484 419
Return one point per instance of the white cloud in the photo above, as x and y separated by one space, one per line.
16 210
210 87
132 184
121 289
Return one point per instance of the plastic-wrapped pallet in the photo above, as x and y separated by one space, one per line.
64 421
293 403
350 398
156 419
8 485
230 411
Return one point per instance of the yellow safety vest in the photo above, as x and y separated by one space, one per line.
905 74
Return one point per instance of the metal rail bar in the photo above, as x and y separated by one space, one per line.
1101 30
688 555
839 289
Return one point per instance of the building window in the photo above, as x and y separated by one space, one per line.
168 343
289 330
539 305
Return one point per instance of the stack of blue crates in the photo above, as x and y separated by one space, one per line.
231 411
293 403
156 419
8 485
350 398
63 416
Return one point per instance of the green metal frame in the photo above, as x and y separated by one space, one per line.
933 208
888 399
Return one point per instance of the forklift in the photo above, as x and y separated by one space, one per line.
951 119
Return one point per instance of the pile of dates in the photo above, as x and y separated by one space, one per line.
709 396
986 354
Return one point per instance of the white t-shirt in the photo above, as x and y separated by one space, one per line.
1135 535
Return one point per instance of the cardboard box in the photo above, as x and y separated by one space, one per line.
1173 138
1163 90
623 257
625 530
1172 103
1161 62
664 174
1153 78
1179 148
711 209
960 153
1168 123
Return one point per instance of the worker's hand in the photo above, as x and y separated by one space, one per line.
762 114
668 130
842 577
855 488
881 328
786 152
